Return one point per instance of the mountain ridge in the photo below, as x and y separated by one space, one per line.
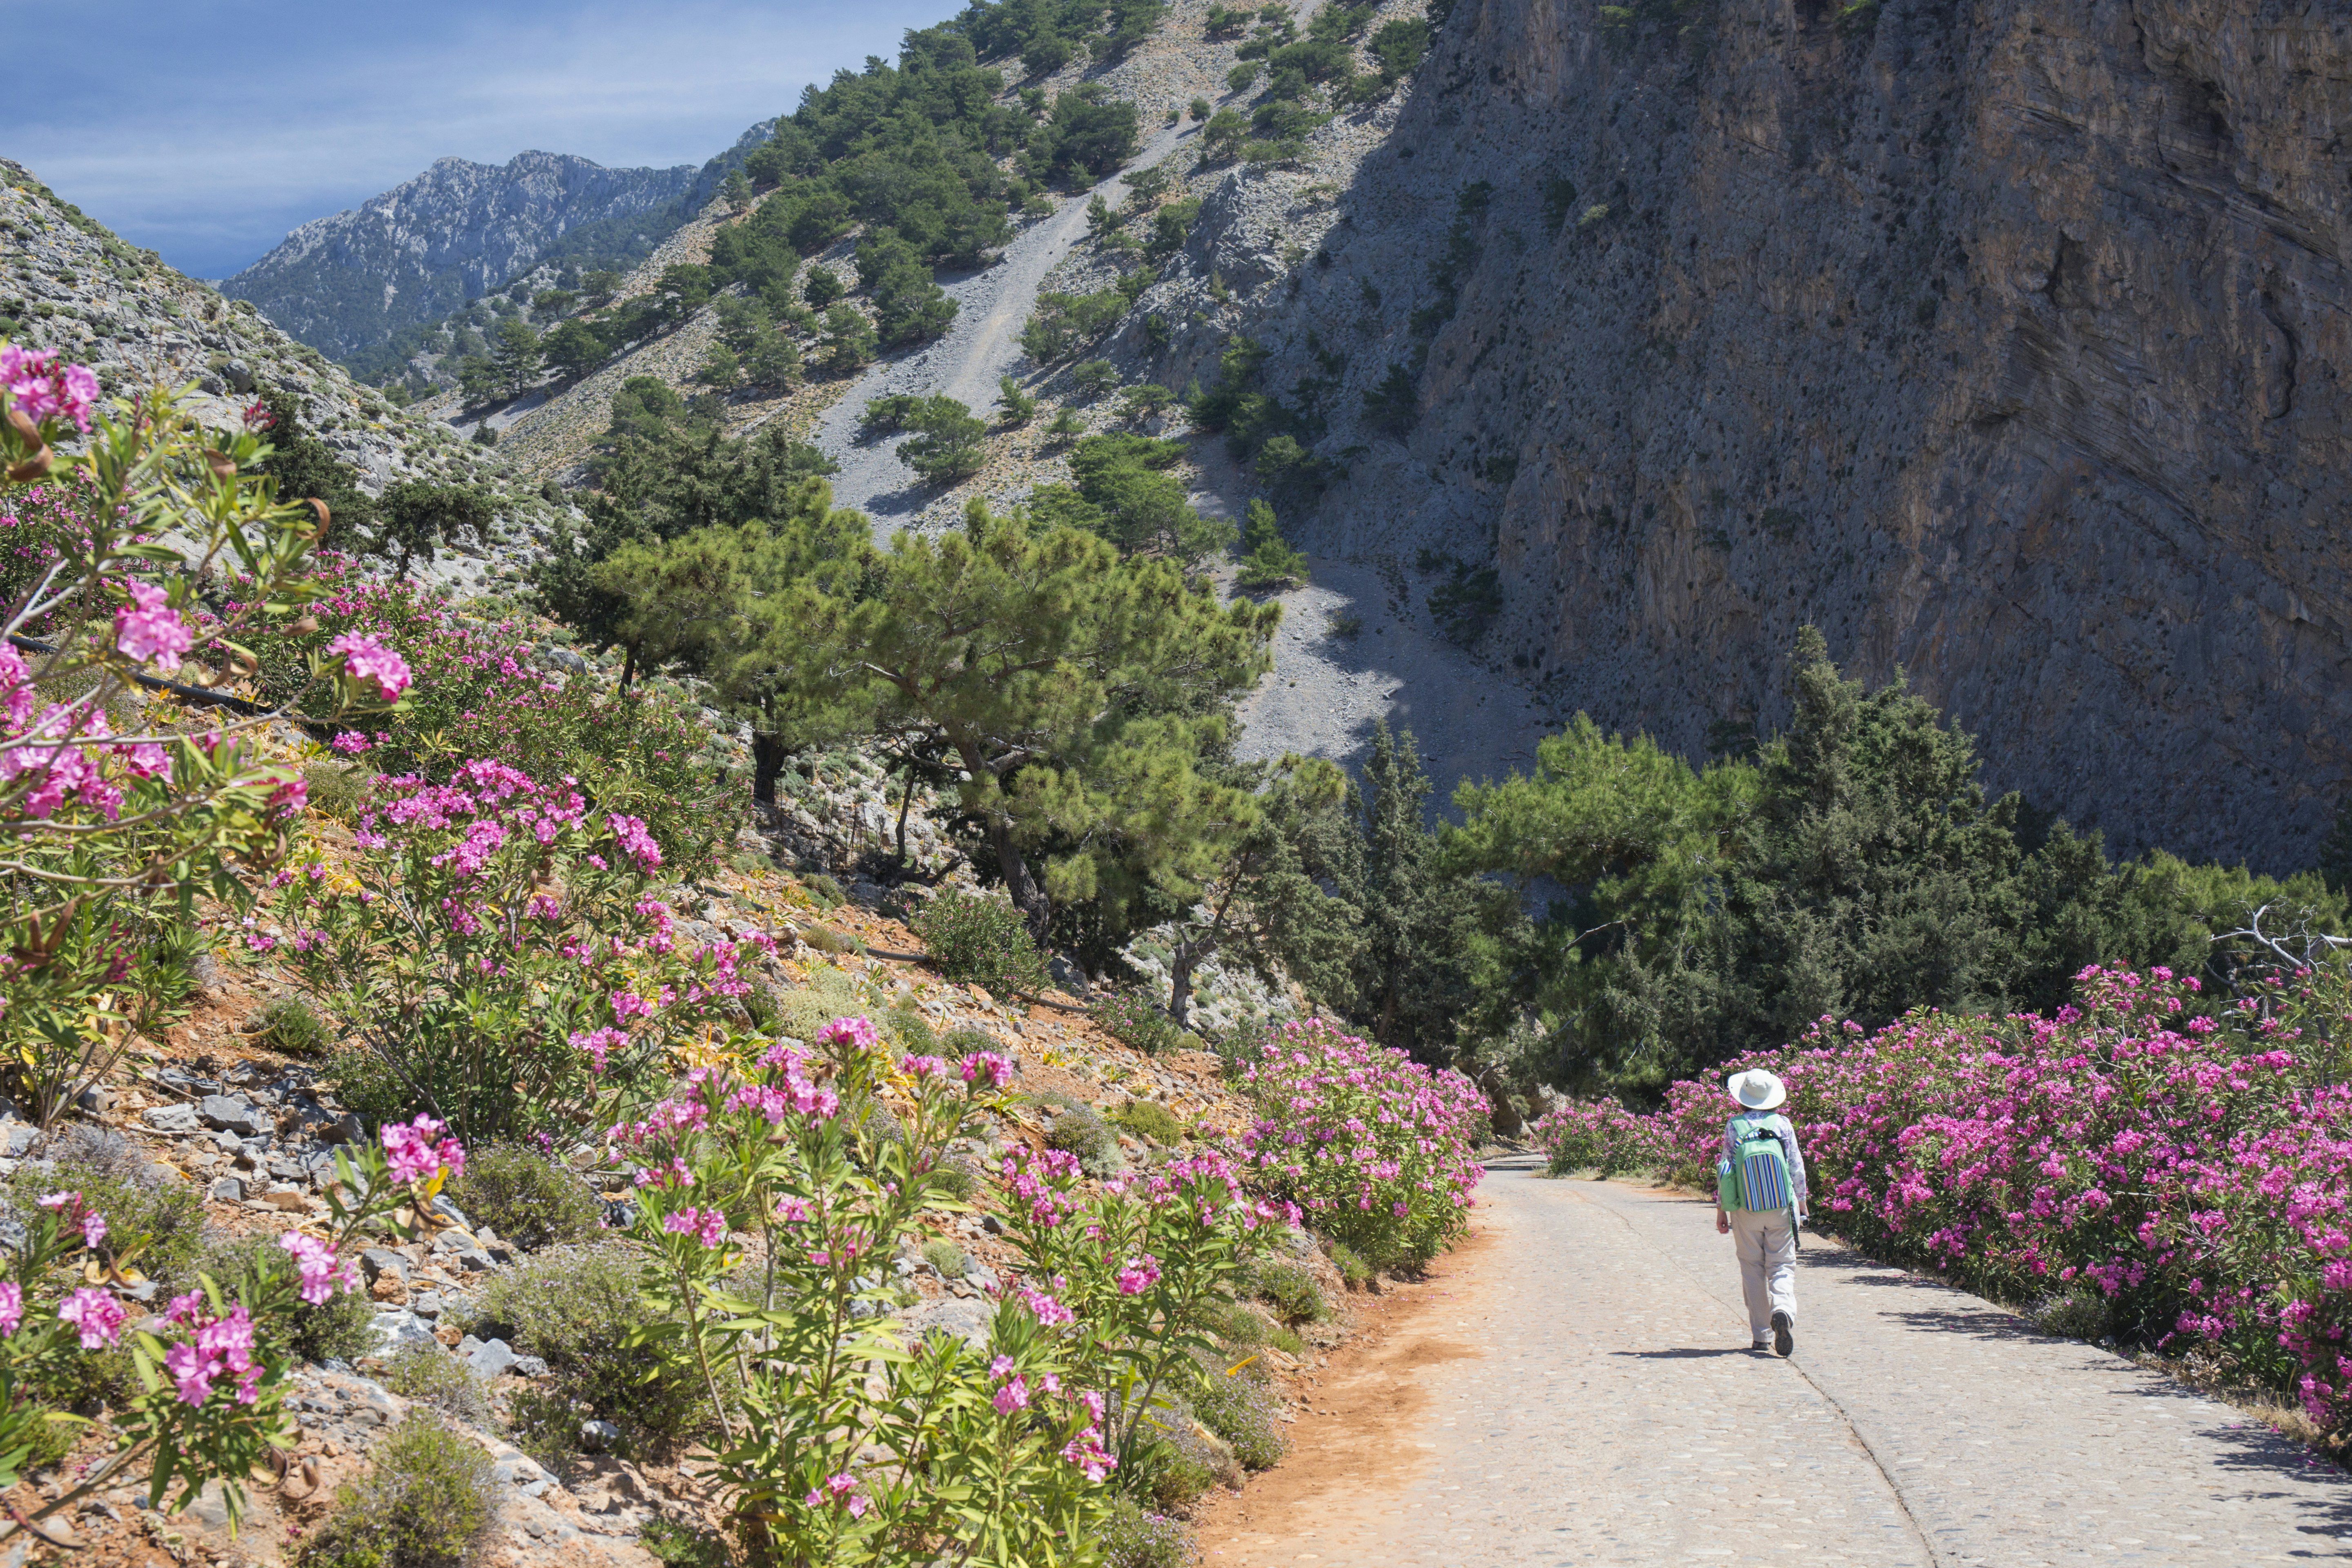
353 281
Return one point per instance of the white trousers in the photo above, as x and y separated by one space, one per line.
1768 1266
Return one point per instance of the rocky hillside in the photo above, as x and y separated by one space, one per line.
67 282
2001 342
423 248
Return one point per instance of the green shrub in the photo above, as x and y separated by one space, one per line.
1290 1289
1244 1412
979 938
426 1502
340 1328
1350 1264
1287 1340
825 890
1239 1328
431 1375
1094 377
1079 1130
950 1260
576 1308
1150 1119
528 1198
681 1546
1173 1462
1133 1019
156 1227
337 789
290 1028
1134 1537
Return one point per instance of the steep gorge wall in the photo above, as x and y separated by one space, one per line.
2003 341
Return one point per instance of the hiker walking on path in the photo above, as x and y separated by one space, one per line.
1759 1200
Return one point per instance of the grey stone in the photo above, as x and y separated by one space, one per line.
397 1329
966 1319
1066 975
488 1357
231 1113
172 1118
598 1436
378 1261
427 1303
529 1366
227 1190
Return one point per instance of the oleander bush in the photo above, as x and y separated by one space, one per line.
2178 1173
1601 1136
1379 1151
981 939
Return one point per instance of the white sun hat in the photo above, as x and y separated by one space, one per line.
1757 1089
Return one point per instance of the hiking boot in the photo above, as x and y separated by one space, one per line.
1761 1346
1784 1334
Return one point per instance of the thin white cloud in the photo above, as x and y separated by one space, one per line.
208 130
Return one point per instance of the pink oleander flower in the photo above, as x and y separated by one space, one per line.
41 386
222 1346
988 1065
366 659
1140 1275
418 1152
855 1032
924 1066
96 1314
12 1308
1010 1396
351 743
319 1268
635 837
150 630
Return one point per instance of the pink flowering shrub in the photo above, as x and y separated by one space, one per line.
844 1442
1133 1274
1379 1151
470 690
1598 1135
2192 1170
493 953
211 1378
113 806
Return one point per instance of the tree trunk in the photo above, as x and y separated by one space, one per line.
904 801
1179 982
767 761
1027 894
628 665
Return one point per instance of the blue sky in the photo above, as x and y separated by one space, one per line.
208 128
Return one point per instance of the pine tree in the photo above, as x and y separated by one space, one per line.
1267 559
516 355
1048 667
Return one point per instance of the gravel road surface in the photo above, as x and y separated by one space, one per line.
1583 1394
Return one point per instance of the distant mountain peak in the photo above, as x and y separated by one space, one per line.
410 254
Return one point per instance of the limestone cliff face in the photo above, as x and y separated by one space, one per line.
425 247
2003 340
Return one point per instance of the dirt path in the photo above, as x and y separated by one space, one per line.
1574 1388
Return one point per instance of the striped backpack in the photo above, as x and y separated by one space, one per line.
1755 1176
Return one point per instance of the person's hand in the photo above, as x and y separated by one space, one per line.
1722 1223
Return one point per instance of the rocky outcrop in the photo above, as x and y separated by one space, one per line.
2004 341
458 230
68 283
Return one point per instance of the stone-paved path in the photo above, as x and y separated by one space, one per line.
1586 1396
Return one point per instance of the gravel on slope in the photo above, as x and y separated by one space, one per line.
984 344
